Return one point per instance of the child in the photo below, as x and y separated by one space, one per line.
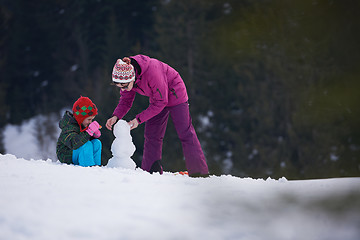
78 143
168 97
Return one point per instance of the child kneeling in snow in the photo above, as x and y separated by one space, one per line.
78 143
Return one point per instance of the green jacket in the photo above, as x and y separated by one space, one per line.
70 138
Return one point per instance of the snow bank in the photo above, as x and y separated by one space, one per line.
34 138
47 200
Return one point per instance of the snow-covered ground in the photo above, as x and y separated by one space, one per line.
42 200
48 200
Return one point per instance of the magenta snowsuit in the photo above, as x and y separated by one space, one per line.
167 96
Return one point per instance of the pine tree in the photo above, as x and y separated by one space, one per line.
282 61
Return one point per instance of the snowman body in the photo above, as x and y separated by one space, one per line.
122 147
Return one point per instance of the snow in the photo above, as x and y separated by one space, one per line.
43 200
34 138
49 200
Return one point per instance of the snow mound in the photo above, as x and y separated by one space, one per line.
43 200
34 138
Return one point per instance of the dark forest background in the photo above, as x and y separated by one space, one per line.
274 85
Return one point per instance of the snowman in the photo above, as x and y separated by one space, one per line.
122 147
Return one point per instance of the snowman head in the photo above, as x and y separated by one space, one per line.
122 129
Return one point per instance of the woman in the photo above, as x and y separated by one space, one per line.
167 96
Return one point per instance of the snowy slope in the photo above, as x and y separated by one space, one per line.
42 200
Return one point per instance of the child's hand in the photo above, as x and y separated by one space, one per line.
97 134
93 128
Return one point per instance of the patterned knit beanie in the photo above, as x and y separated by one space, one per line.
123 72
82 109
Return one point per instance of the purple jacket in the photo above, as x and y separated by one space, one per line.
157 80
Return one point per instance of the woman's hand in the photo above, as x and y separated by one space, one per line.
110 122
133 124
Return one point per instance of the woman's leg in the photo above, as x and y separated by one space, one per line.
194 156
154 134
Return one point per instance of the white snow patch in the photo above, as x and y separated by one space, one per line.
43 200
33 139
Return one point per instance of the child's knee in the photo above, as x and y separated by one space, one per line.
87 146
96 143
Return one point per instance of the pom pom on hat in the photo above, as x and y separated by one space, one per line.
82 109
123 72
